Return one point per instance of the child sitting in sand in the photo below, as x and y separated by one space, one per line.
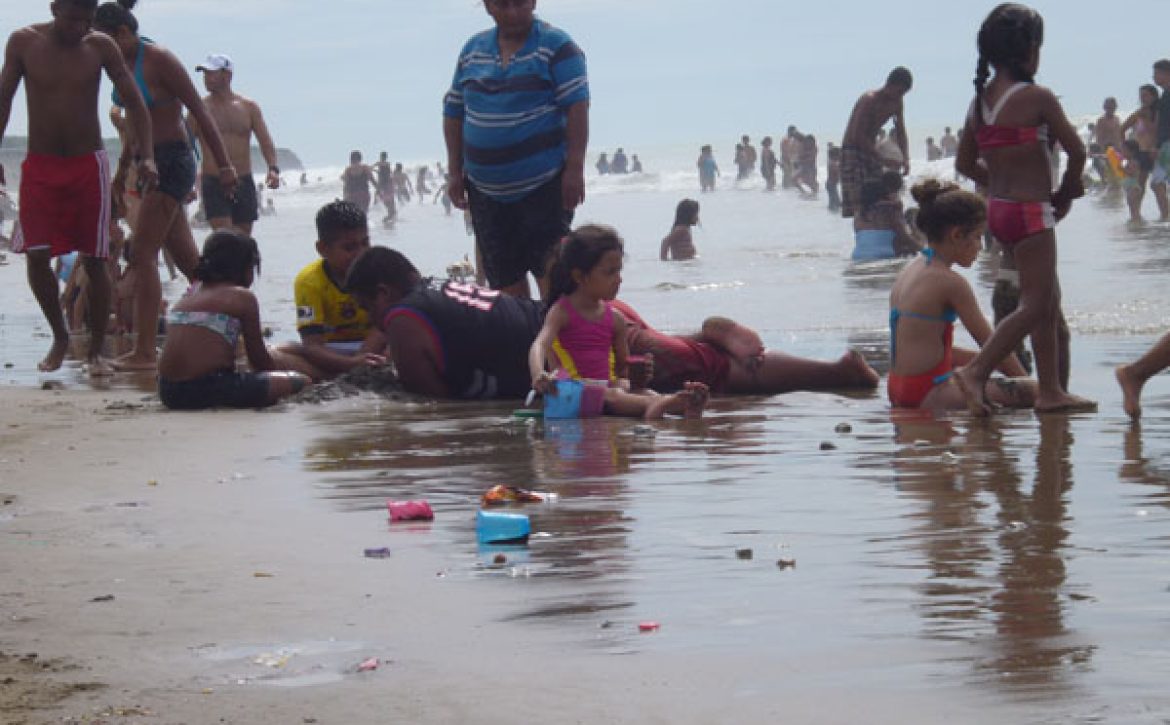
336 335
678 245
197 368
584 337
929 297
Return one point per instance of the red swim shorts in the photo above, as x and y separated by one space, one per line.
677 359
65 205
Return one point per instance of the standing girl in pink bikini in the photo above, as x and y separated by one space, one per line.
1008 148
584 336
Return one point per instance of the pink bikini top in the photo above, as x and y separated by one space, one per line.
990 136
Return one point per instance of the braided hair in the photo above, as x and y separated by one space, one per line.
1006 38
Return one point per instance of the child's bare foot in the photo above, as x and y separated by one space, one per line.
861 371
56 355
1064 403
743 343
1131 391
133 361
974 394
696 395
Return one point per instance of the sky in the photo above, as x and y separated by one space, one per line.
336 75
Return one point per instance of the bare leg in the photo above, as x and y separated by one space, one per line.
1163 203
43 284
284 384
1037 314
742 343
155 220
180 242
1132 378
98 292
783 373
688 402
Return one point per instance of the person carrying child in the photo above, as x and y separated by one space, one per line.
197 368
678 244
927 299
1007 148
584 337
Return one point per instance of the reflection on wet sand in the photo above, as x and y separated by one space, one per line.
1007 572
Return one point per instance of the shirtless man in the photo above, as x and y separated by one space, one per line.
860 160
65 184
238 119
949 143
1109 127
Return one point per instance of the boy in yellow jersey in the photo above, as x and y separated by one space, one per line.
335 332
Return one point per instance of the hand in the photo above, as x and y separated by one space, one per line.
273 179
545 384
373 360
641 371
457 190
147 175
1061 205
572 187
229 180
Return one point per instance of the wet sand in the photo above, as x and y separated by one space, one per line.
1011 570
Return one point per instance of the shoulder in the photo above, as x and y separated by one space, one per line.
311 274
1040 93
22 37
550 35
481 41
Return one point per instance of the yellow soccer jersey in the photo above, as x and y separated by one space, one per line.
323 309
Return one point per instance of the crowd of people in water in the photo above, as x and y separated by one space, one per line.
515 166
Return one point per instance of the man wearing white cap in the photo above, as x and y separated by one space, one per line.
238 119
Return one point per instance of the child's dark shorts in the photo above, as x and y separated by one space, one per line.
225 389
518 237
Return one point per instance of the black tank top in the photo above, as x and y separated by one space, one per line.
484 336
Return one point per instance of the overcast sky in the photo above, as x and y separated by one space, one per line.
333 75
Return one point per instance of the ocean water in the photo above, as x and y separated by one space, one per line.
1014 568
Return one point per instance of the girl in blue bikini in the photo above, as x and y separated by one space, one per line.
929 297
197 368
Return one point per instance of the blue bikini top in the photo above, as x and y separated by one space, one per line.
139 76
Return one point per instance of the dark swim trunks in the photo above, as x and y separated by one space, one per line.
518 237
177 169
225 389
677 359
217 205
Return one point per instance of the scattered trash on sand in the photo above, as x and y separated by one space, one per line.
827 446
368 665
499 495
410 511
498 528
843 428
648 627
743 554
103 598
786 563
379 553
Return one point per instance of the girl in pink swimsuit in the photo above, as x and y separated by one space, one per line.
1007 148
584 336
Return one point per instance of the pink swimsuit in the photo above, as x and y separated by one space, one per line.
585 351
1012 221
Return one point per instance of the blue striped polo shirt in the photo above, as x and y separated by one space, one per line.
514 118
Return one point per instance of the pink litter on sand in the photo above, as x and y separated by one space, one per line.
410 511
368 665
648 627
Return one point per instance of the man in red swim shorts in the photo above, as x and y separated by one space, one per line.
65 179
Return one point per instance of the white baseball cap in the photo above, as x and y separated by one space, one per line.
216 61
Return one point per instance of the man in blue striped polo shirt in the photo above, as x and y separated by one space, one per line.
516 123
